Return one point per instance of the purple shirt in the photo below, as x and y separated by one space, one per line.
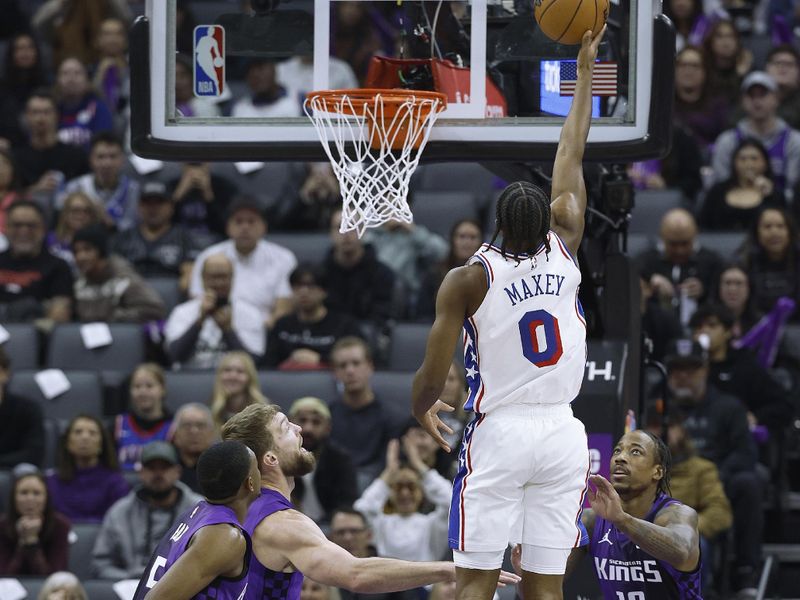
175 543
87 496
627 571
264 582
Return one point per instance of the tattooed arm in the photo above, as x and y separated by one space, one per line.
671 537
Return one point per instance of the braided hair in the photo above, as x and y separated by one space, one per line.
523 218
663 458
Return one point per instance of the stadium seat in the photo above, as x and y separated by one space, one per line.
726 244
393 389
32 586
454 177
22 347
408 346
84 396
81 544
5 489
52 433
189 386
100 589
284 387
650 207
790 342
168 289
307 247
269 182
439 211
639 242
66 349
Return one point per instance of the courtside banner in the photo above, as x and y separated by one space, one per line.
209 61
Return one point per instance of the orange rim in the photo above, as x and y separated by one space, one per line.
392 98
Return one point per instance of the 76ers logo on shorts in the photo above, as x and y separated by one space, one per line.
209 61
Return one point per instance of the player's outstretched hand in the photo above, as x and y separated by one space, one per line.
604 499
589 45
431 423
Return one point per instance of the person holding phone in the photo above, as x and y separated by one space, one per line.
199 332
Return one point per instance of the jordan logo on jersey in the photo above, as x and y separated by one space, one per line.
610 569
606 540
547 284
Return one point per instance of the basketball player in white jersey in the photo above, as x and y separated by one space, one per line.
524 459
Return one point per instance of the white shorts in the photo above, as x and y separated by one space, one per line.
521 479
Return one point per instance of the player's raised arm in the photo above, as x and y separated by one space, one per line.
216 550
568 191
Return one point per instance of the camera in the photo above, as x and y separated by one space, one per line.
616 191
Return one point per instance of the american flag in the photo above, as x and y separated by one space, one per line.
604 78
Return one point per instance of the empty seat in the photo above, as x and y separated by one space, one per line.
650 208
408 346
726 244
168 289
189 386
439 211
393 389
22 346
84 396
67 351
453 177
307 247
284 387
82 540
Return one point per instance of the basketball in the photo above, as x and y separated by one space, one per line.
565 21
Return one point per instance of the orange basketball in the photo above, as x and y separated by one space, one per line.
565 21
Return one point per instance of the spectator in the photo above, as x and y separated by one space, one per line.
355 40
186 103
235 387
71 26
111 74
33 282
783 65
332 483
194 433
403 531
466 237
359 284
681 273
21 423
689 20
201 200
304 338
262 268
45 163
116 194
360 421
33 536
733 292
108 288
267 98
659 326
732 205
296 74
82 112
717 426
148 419
703 113
307 199
24 71
737 373
62 585
350 530
760 102
79 211
771 258
156 246
728 60
134 526
202 330
87 480
8 187
406 248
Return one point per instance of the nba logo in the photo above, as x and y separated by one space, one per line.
209 61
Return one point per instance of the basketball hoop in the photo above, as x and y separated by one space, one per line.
374 139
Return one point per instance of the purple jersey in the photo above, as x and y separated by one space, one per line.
264 582
175 543
626 572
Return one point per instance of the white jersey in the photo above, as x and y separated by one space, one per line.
526 343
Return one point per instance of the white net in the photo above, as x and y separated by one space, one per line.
374 142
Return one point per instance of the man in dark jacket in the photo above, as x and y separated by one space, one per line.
333 481
718 428
21 424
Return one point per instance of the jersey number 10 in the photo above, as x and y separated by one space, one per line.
541 338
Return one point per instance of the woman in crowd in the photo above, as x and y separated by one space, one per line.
148 419
8 186
728 60
235 387
770 258
87 480
62 585
33 536
734 204
733 290
111 76
78 212
24 71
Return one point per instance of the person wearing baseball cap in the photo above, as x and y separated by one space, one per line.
135 524
760 103
333 481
